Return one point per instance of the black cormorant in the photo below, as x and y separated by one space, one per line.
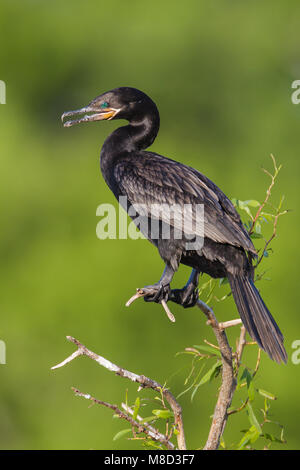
150 180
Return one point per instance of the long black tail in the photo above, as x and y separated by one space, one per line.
256 318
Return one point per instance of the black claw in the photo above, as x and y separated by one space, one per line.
157 293
186 297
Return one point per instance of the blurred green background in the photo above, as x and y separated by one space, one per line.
221 74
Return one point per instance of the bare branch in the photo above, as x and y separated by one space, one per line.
228 381
144 382
240 347
229 323
150 430
141 427
228 378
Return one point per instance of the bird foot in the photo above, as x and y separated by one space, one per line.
151 290
156 293
187 297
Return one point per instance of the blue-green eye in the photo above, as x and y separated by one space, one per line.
104 105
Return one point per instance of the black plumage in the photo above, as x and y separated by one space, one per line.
148 181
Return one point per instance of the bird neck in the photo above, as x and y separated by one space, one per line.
136 136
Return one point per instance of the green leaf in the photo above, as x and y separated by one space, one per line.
211 373
269 217
258 227
242 205
163 414
222 443
148 419
208 377
249 380
193 384
250 437
256 235
252 203
137 405
251 391
209 349
121 434
246 375
152 444
272 438
266 394
246 209
252 418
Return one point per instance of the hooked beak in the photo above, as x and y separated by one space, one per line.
89 114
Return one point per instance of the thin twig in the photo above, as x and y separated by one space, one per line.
242 343
211 344
229 323
240 348
150 430
276 217
141 427
268 193
144 382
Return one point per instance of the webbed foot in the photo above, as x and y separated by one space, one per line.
188 295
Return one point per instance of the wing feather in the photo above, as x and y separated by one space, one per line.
150 182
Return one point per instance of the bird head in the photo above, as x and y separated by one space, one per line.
120 103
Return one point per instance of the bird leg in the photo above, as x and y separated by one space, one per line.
161 290
188 295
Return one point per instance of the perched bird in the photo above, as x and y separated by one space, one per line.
148 180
